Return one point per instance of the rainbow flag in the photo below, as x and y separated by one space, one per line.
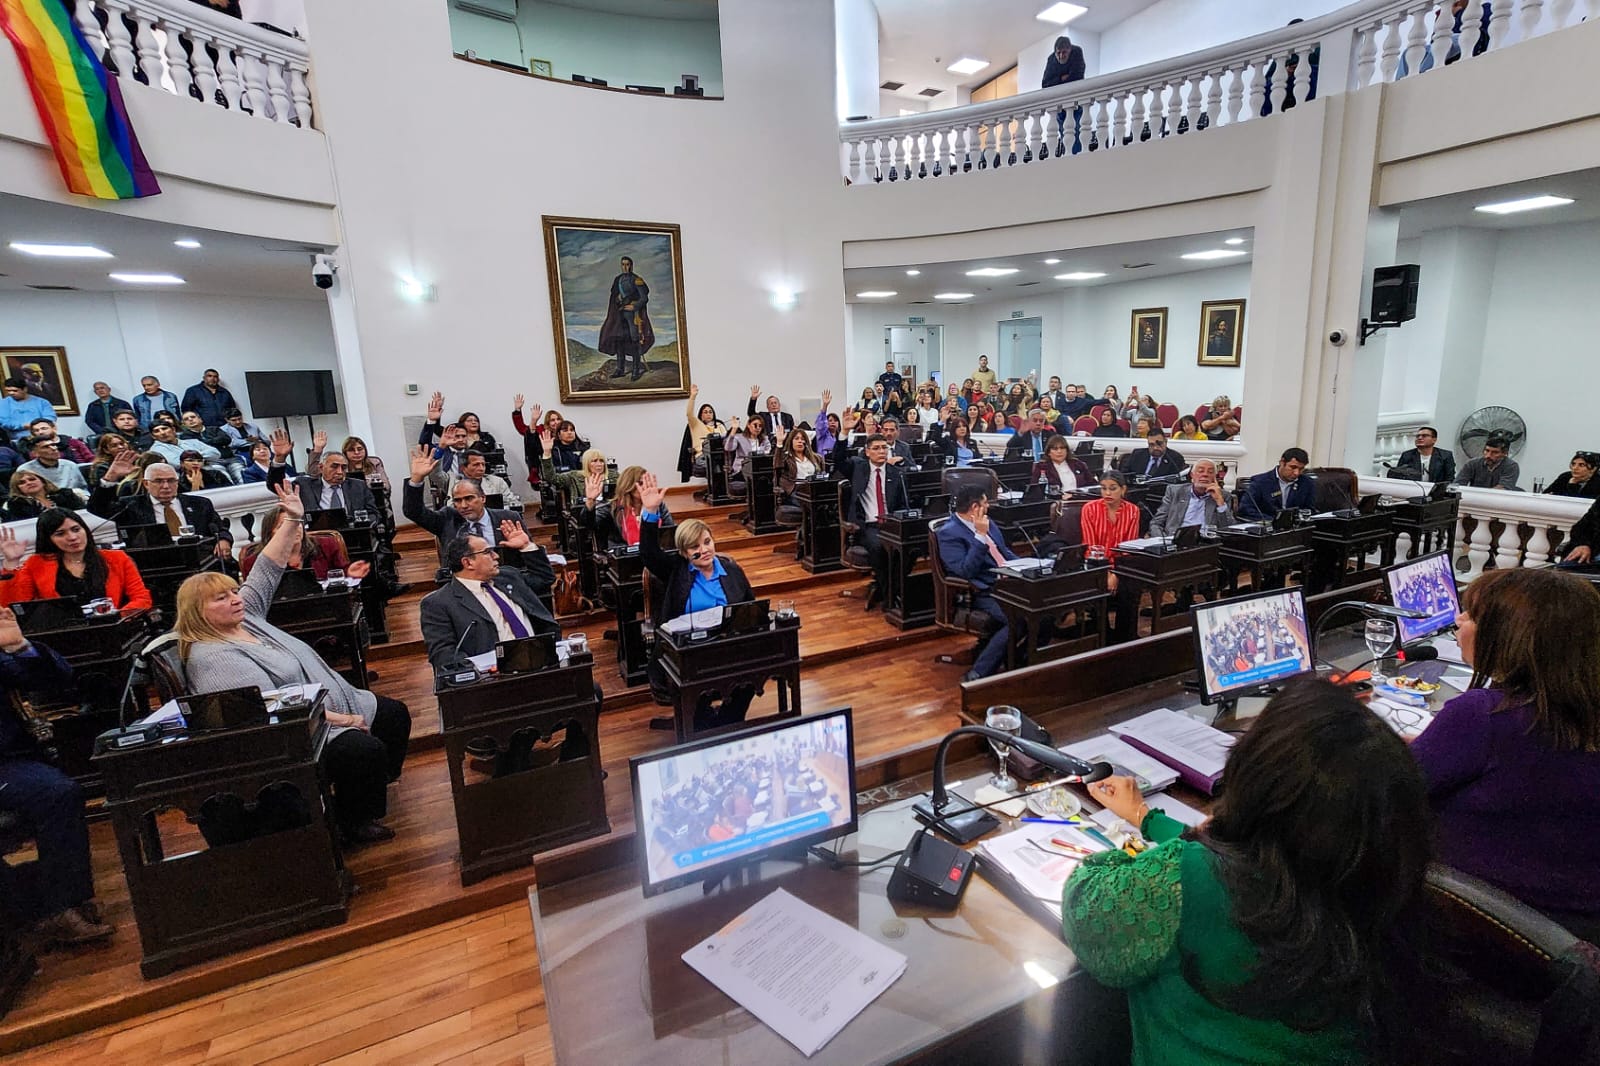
79 104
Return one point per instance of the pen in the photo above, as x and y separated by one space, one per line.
1054 821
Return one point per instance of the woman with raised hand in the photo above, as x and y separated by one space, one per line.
67 562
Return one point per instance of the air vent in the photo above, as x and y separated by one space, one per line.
55 288
930 92
920 301
1025 284
891 86
1136 266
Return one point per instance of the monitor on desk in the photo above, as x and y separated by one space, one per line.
155 535
1244 644
746 617
707 806
231 708
1426 584
494 501
333 518
297 583
526 655
41 616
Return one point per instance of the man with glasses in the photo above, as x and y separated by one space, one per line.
160 504
1155 459
1427 461
467 513
483 605
329 489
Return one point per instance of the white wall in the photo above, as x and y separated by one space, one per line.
856 57
1171 28
118 338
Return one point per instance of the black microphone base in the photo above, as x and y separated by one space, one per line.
962 828
931 873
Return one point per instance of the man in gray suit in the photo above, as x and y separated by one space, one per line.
329 488
1200 502
467 513
481 606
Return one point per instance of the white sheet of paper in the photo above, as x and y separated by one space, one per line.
801 972
1447 648
1139 543
1193 743
167 712
1038 867
487 661
1151 773
705 618
1175 809
1458 678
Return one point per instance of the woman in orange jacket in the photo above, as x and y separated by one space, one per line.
67 563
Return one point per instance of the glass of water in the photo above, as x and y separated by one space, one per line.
1006 720
1379 634
335 574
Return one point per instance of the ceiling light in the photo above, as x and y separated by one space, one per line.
148 279
1061 14
1509 207
991 272
912 273
1214 253
952 296
876 294
1051 262
967 65
62 251
1081 275
1234 240
186 242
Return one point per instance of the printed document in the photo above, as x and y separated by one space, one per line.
1178 737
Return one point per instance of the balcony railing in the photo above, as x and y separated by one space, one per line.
1243 81
190 51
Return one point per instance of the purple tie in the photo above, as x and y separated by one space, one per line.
518 630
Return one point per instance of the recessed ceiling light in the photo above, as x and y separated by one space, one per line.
148 279
186 242
1051 262
967 65
876 294
1508 207
952 296
992 272
62 251
912 273
1214 253
1081 275
1234 240
1061 14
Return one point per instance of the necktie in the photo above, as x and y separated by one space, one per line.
994 550
1036 447
1150 469
883 508
337 498
518 630
174 522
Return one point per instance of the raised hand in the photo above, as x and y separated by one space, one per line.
594 486
513 536
11 638
533 416
827 398
650 493
980 521
122 465
319 441
694 391
282 445
435 406
12 550
289 499
423 463
755 392
516 402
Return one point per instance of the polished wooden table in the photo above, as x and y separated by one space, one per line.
538 736
908 601
166 567
820 537
715 664
1022 521
1268 554
230 896
1339 539
1430 526
1181 571
334 623
1030 599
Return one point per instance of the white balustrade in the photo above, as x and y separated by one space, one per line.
1396 433
1548 518
1242 81
188 50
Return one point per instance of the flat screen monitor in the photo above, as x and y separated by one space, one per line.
1426 584
290 393
155 535
329 519
1247 643
709 805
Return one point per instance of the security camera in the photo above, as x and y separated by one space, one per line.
323 267
1338 337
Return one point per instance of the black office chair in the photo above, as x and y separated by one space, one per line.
954 477
1499 982
162 667
952 601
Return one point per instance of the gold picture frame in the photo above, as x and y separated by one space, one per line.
1221 333
1147 338
542 67
47 373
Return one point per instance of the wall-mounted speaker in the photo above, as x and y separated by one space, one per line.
1394 294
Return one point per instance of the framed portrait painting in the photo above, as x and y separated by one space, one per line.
1147 338
1221 332
616 305
47 374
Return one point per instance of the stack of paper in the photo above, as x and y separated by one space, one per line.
1141 543
1152 774
705 618
1039 857
1194 749
802 972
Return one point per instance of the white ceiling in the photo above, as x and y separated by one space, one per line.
1457 209
917 39
228 264
1035 277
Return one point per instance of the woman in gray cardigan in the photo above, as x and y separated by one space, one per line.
225 641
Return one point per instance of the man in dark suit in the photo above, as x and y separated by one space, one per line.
159 504
970 549
1058 399
775 417
1275 490
899 450
1198 502
1155 459
1426 462
330 488
877 487
482 606
1064 65
467 513
1029 442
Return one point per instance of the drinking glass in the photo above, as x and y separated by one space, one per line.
185 531
1006 720
335 574
1379 635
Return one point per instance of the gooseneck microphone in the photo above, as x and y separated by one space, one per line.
1422 493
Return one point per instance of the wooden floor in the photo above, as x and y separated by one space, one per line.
472 987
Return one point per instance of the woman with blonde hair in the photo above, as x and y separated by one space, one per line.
616 522
1219 423
31 496
592 464
225 641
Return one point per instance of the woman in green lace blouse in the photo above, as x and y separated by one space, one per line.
1258 938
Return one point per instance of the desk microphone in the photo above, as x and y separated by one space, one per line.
1395 468
464 672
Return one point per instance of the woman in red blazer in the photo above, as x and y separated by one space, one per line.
67 563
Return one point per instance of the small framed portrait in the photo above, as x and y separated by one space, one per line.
1221 332
1147 339
47 374
542 67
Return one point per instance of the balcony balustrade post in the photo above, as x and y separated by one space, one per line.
1366 55
148 69
1186 87
1213 98
89 26
1532 13
121 40
177 59
1499 22
1417 40
1258 84
1235 112
277 90
228 74
1389 64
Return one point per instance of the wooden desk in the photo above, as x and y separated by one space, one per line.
923 484
222 899
1428 526
1337 540
1158 573
761 495
368 543
622 576
908 601
577 544
1029 599
716 459
1268 555
1013 473
532 799
165 568
713 665
334 623
819 525
1022 521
